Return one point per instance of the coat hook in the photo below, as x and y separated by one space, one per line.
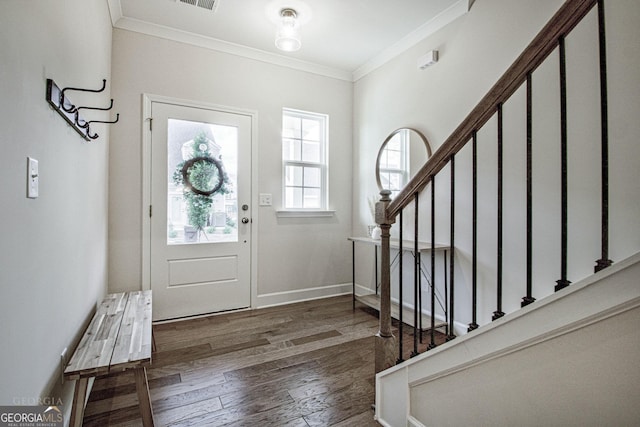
85 124
94 136
102 121
72 108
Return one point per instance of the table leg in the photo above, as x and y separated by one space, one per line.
353 274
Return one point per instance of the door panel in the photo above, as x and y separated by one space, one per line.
200 250
194 271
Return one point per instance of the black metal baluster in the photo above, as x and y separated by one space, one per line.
416 272
445 275
474 255
604 261
528 299
419 268
445 285
432 336
400 294
452 252
563 282
499 313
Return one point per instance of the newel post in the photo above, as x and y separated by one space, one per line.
385 341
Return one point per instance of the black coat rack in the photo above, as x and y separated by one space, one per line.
71 113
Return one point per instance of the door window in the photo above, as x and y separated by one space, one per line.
202 205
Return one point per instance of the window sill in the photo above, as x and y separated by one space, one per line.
305 214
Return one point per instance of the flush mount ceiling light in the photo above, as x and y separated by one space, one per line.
288 34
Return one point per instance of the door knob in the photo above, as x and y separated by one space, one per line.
245 220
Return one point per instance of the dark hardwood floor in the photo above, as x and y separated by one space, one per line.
305 364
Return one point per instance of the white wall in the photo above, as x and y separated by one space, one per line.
294 255
474 52
53 249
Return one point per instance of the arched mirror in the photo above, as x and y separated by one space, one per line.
401 156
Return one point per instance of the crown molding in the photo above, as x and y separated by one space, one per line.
428 28
115 11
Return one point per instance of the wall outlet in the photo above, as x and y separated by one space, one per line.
63 364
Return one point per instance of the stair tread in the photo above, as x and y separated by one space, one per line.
373 301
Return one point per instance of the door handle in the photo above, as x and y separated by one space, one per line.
245 220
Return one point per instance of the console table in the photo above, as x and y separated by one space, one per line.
373 300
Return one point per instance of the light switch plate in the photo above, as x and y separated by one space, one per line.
265 199
33 180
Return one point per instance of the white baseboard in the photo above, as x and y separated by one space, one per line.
363 290
412 422
300 295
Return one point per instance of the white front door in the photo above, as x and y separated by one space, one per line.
200 226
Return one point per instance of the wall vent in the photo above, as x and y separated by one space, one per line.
205 4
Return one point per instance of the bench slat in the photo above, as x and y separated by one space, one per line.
133 347
93 355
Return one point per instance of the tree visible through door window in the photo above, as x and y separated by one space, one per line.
304 155
202 164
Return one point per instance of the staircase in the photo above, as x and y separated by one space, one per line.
563 351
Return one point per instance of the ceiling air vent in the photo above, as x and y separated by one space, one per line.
205 4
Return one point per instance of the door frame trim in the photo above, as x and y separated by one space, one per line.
147 100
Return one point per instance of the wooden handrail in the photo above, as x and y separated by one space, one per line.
567 17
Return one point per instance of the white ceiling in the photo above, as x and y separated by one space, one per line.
340 38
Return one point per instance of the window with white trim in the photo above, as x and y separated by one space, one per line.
394 163
304 158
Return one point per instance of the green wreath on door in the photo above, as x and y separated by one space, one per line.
202 176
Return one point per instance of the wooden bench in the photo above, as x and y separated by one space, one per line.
119 338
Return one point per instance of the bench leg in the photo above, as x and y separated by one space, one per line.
77 408
142 387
